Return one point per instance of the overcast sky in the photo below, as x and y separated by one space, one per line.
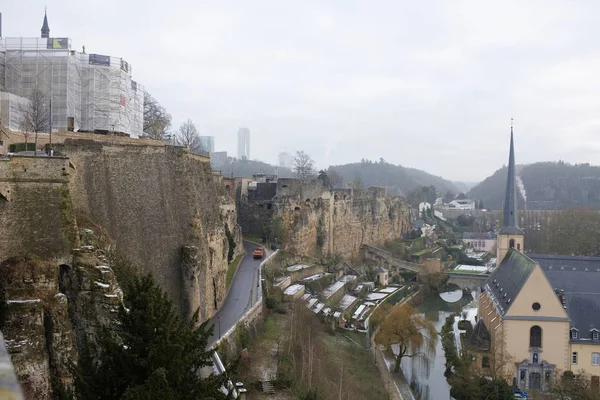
425 84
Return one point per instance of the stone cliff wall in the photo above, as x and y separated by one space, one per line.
36 215
51 306
308 218
165 209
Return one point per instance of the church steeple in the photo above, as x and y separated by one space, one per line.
45 27
510 236
510 223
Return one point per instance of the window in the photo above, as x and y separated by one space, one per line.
536 306
535 336
511 244
536 358
595 358
574 334
595 335
485 362
574 357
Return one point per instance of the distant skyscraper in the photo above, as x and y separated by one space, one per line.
208 143
244 143
286 160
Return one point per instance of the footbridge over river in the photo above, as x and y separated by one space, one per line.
466 280
463 280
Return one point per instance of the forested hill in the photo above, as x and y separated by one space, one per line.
397 179
548 185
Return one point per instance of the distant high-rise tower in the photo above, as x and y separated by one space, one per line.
286 160
208 143
45 27
244 143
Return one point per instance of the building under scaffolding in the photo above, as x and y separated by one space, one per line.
85 92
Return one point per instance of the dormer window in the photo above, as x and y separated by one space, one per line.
574 333
595 334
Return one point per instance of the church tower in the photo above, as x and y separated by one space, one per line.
45 27
510 236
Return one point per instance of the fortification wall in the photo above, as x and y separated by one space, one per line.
308 218
35 210
165 210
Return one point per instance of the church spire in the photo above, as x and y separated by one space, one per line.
45 27
511 222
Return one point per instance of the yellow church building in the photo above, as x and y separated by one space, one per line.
538 315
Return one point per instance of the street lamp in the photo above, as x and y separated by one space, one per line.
219 327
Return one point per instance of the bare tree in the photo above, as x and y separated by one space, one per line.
157 121
304 166
35 115
188 136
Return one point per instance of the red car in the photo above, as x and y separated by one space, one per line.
258 252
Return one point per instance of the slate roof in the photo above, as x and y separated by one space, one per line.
510 221
579 277
480 338
479 235
45 27
508 279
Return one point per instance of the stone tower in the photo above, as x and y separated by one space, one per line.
45 27
510 236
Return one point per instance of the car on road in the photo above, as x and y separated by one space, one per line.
258 252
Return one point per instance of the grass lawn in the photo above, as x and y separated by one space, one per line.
231 268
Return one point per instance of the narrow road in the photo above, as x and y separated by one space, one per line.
243 293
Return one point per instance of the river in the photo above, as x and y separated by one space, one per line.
432 385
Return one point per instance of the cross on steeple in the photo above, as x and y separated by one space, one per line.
45 27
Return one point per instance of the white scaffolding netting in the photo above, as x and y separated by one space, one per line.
95 92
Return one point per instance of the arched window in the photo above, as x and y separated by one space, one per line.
535 336
511 244
535 358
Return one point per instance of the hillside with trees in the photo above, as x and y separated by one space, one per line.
547 185
396 178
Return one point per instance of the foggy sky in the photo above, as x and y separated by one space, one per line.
430 85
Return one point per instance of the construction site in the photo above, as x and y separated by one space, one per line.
81 92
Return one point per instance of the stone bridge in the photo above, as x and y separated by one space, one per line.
387 261
467 281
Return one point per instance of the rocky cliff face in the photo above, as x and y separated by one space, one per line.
51 307
161 206
156 202
308 218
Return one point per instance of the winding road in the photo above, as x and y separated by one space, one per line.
242 294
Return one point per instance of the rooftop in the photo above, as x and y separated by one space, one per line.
332 289
579 278
293 289
506 281
297 267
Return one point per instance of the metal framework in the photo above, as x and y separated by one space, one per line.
96 91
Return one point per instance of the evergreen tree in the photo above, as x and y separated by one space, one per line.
155 355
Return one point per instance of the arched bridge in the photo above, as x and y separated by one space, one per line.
386 260
466 280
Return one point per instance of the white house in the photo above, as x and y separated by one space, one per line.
424 206
465 204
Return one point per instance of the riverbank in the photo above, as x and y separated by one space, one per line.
395 383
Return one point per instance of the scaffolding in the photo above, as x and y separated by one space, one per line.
87 92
